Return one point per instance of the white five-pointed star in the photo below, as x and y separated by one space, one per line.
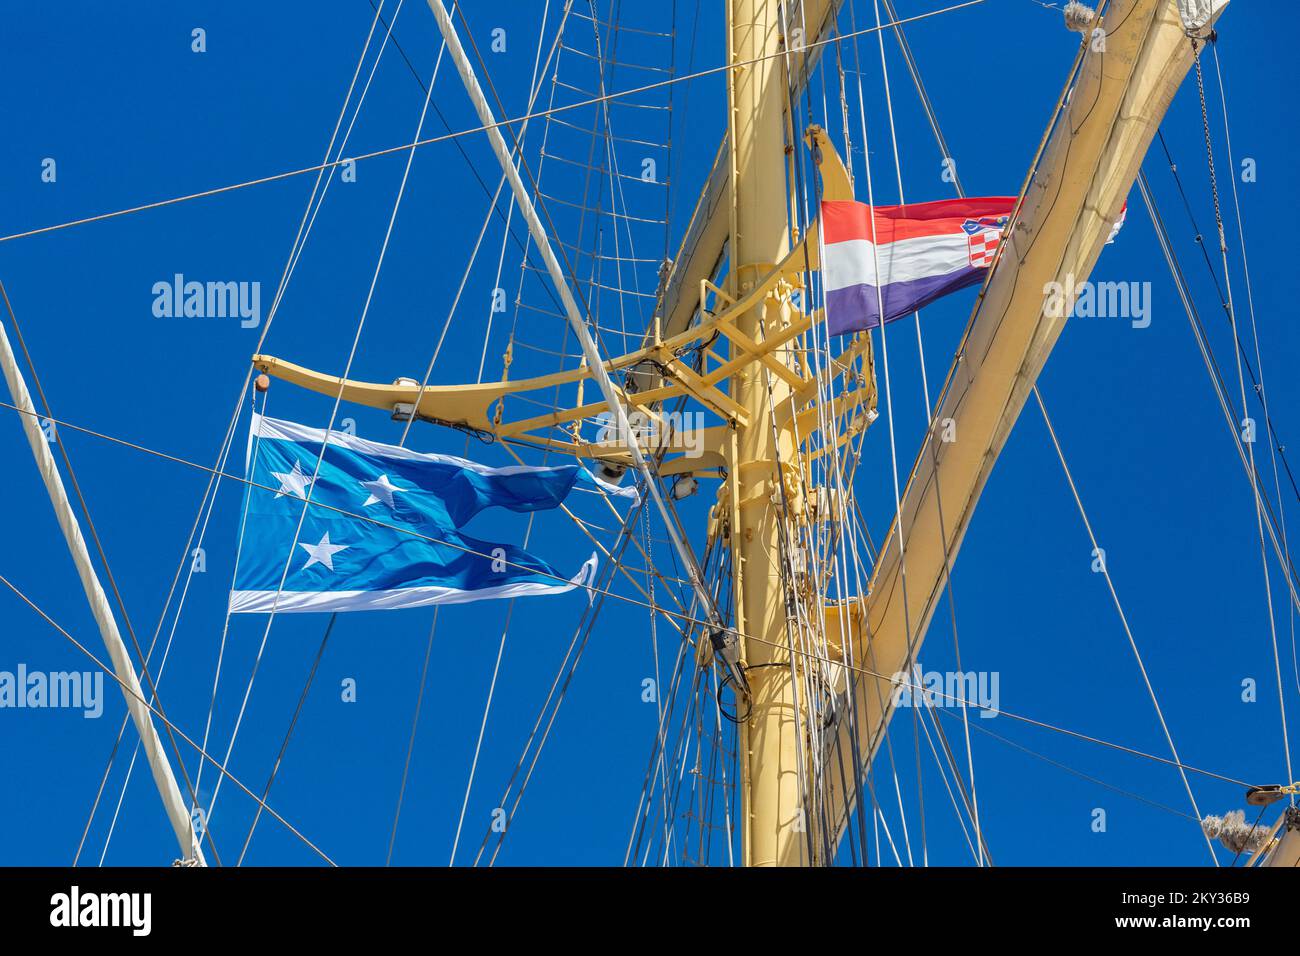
323 552
381 489
294 483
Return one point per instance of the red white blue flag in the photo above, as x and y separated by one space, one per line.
914 255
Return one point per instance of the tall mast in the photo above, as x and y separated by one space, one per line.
163 778
775 826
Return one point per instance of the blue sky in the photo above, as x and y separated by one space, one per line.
131 115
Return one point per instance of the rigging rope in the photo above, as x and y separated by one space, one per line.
1259 362
98 608
910 637
460 147
210 492
284 745
314 204
810 686
687 618
558 690
1241 381
1083 776
410 746
428 141
356 340
210 498
1110 584
107 669
534 88
925 385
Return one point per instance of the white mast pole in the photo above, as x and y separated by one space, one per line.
594 361
177 808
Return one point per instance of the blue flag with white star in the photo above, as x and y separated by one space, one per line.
382 525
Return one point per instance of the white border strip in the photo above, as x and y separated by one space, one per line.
854 261
278 429
289 602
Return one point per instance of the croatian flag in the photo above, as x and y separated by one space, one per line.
922 251
382 528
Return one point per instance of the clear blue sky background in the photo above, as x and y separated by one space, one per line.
131 115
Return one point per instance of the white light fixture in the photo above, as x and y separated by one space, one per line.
685 486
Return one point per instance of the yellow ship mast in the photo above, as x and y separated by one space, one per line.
761 461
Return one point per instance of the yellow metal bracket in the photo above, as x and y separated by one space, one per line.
481 406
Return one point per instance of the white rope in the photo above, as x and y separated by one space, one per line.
187 557
209 496
210 502
976 855
645 800
681 750
516 158
314 203
620 94
356 341
487 335
574 316
841 537
536 90
1259 507
139 697
616 179
487 710
893 447
1123 618
929 421
839 527
1250 446
141 712
806 635
661 744
225 627
535 86
844 532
